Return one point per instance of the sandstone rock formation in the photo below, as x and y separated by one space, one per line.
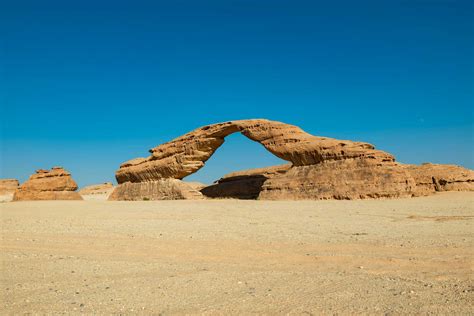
55 184
198 186
162 189
8 185
7 188
431 178
321 167
341 179
188 153
97 191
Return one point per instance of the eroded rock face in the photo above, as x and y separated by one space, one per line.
54 184
431 178
163 189
7 188
340 179
320 168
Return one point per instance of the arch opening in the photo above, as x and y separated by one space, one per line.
238 156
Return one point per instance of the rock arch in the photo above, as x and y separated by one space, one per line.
320 168
188 153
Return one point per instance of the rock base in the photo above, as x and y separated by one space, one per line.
163 189
341 180
432 178
45 195
347 179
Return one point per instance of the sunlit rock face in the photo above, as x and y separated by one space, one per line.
431 178
54 184
319 167
162 189
7 189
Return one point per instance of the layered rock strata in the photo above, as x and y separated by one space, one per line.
162 189
340 179
54 184
431 178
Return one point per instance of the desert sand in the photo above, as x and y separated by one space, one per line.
410 255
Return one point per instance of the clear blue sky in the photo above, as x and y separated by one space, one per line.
92 84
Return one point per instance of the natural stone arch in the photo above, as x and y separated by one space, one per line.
320 168
188 153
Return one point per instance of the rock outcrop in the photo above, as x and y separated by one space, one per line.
7 188
320 167
162 189
54 184
97 191
431 178
341 179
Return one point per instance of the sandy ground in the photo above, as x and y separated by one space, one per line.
239 257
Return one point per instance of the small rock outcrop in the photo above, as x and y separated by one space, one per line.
7 188
97 191
320 168
54 184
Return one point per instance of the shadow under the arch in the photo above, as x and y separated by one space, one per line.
245 187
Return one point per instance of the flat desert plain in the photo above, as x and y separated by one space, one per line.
239 257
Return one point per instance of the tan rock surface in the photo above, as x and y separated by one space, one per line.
435 177
162 189
7 188
196 185
341 179
56 184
